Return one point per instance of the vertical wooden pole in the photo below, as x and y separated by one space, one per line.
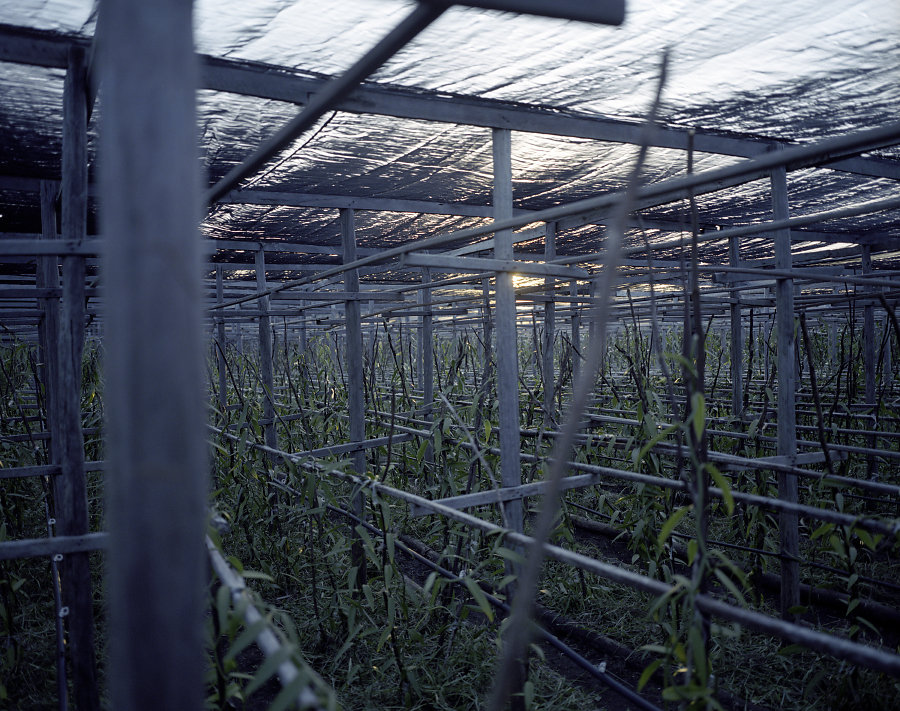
576 331
832 337
220 336
354 367
266 369
302 334
507 346
426 348
787 417
869 348
737 337
47 277
887 366
157 474
427 344
870 361
549 331
70 487
487 322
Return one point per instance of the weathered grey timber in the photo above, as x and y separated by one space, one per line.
70 487
737 337
477 264
156 399
547 362
507 355
220 340
65 545
576 333
266 369
47 276
787 418
353 366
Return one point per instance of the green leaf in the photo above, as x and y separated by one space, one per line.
698 405
732 588
723 484
245 639
792 649
653 442
822 530
479 597
287 697
692 551
510 555
268 668
648 673
670 524
528 692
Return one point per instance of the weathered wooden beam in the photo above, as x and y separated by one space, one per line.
547 362
479 264
604 12
37 247
507 493
507 355
36 470
353 366
737 338
64 545
70 487
266 368
220 349
338 449
156 397
787 385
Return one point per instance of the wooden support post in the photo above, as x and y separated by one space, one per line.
47 277
787 417
156 394
737 337
70 487
302 334
266 368
869 348
426 348
354 367
487 322
426 345
833 338
220 336
887 366
576 332
507 339
870 361
549 333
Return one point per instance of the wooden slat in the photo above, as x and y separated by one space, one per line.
66 545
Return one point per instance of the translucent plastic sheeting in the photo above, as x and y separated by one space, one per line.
798 70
